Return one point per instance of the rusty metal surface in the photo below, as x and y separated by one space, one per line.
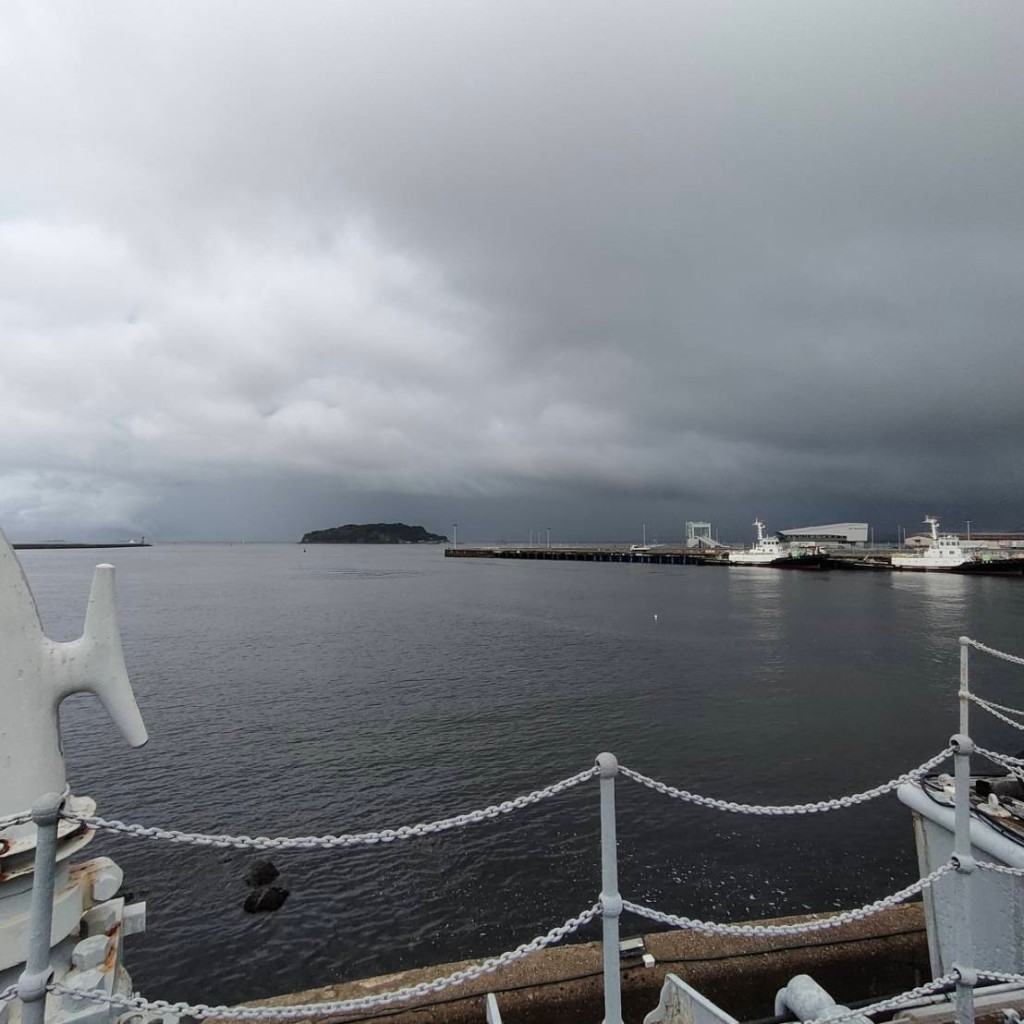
18 850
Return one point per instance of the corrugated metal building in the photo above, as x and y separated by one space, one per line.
831 533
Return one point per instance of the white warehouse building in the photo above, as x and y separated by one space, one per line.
832 533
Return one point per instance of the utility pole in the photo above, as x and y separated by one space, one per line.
968 529
549 536
455 535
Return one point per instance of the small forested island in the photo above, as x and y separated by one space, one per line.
373 533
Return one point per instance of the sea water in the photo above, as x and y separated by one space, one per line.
327 689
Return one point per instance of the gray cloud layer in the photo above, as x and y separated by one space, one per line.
500 261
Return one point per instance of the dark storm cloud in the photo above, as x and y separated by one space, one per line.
704 257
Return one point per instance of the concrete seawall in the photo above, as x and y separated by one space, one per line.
874 958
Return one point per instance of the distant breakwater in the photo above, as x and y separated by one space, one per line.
60 545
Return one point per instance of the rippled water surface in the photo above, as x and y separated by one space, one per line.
343 688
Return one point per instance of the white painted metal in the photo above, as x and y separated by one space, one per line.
805 999
48 904
964 966
681 1004
493 1013
36 674
997 901
38 973
611 901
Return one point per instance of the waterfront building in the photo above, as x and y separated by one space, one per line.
832 534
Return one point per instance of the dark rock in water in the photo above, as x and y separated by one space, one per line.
265 899
261 872
374 533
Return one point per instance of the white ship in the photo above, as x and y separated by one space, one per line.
770 551
944 554
947 554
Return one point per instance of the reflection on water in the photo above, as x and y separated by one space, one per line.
758 590
939 601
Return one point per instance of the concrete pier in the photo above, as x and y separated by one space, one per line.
608 553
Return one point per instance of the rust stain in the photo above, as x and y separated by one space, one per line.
111 958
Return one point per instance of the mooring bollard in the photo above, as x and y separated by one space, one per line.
966 976
611 901
38 973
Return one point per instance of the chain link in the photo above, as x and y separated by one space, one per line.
1003 976
947 981
993 704
1002 759
783 809
978 646
7 994
1000 869
991 709
302 1010
15 819
1014 765
846 917
387 835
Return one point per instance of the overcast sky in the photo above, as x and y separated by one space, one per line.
267 267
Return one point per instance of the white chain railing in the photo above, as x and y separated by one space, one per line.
493 811
992 710
15 819
1014 765
1003 759
1004 976
931 988
331 842
766 930
784 809
7 994
303 1010
979 646
999 707
607 768
999 869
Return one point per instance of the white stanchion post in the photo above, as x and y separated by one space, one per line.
38 973
964 693
963 969
611 901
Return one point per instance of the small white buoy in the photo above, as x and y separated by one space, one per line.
655 616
